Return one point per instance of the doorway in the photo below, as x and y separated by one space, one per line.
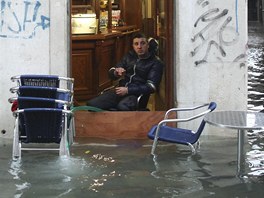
255 10
156 21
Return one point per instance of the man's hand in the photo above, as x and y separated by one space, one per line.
121 91
119 72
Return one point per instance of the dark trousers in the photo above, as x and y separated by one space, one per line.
109 100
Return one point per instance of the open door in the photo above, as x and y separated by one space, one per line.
163 14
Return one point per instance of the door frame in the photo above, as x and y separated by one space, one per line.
169 49
169 55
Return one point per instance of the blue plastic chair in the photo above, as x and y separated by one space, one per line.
62 97
35 102
162 132
41 125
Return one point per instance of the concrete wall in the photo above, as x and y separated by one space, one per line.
211 38
33 40
211 43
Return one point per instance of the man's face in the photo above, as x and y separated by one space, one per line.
140 45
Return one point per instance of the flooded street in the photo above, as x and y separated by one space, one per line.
255 156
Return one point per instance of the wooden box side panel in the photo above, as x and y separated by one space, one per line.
116 125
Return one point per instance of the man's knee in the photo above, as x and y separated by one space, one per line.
124 107
93 102
128 104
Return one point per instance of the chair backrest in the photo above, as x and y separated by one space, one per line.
45 92
42 125
40 80
143 102
44 81
39 91
211 107
35 102
153 45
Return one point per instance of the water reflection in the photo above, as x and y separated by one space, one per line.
49 175
255 157
255 77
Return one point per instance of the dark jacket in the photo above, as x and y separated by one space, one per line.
142 76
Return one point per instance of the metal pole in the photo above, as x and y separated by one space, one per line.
240 151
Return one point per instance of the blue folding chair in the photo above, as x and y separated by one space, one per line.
41 126
162 132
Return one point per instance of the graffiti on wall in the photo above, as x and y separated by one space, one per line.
212 28
21 20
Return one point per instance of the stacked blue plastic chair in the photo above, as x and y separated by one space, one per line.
46 86
165 133
34 102
43 113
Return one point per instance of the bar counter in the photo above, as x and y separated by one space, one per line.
109 33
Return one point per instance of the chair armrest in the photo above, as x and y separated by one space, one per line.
63 102
13 78
183 119
11 100
66 79
68 112
184 109
14 89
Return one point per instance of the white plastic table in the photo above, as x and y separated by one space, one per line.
240 120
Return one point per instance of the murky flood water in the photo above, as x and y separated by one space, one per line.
126 169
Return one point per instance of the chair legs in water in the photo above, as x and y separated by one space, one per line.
64 146
194 147
46 127
43 120
65 141
165 132
16 143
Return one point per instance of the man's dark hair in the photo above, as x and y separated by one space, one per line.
139 35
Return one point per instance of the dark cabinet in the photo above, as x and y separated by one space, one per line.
105 51
84 70
91 60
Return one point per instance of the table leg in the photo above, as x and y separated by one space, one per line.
240 151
